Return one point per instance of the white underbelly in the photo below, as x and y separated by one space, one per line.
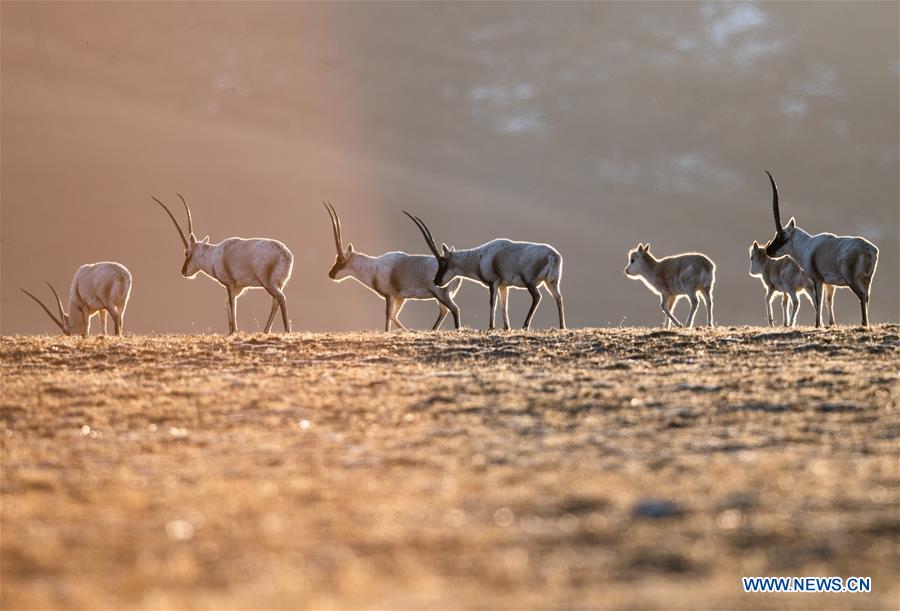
416 294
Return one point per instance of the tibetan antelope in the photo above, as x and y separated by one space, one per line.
826 259
499 265
782 275
395 276
687 274
238 264
97 288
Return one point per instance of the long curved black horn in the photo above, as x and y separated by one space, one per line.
46 309
426 233
337 220
775 211
177 226
188 210
335 228
62 312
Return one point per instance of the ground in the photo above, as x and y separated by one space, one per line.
592 468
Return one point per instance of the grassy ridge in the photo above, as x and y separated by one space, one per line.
598 467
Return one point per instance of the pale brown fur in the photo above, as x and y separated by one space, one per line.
783 275
689 274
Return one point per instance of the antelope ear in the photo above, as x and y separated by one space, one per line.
790 224
205 240
647 247
755 244
350 247
192 239
446 250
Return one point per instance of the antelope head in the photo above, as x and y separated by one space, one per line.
444 257
757 258
638 260
190 268
63 321
339 270
779 244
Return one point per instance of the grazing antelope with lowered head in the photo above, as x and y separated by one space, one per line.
238 264
783 275
826 258
687 274
499 265
96 288
395 276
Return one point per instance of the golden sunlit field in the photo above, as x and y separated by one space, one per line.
598 467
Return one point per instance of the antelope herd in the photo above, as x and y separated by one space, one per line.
792 263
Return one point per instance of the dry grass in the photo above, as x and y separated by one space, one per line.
607 468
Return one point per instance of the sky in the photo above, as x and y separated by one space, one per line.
588 126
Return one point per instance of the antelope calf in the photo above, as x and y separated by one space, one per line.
826 258
782 275
499 265
238 264
394 276
97 288
687 275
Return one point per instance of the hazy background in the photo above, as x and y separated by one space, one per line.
587 126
